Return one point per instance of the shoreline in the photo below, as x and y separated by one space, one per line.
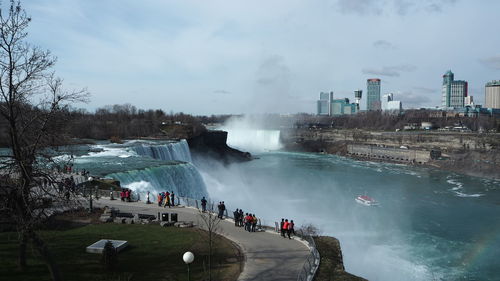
468 154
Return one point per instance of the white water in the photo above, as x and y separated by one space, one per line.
246 135
168 152
253 140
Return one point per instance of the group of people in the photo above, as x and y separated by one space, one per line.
249 221
166 199
287 228
125 195
221 207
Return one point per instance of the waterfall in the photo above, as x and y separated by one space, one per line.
178 151
253 140
182 178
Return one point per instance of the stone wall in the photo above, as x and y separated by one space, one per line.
427 140
389 153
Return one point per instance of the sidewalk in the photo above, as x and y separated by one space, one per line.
268 256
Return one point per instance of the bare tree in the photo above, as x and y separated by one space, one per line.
210 222
32 105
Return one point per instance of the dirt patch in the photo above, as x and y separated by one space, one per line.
73 219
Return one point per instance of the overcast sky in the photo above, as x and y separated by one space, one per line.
212 57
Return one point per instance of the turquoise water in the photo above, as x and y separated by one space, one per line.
430 225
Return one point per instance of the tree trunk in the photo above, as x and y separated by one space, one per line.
21 262
210 255
43 250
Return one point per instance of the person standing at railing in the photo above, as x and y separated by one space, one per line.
291 229
172 196
203 204
254 222
236 215
160 199
248 222
223 208
167 200
240 218
286 224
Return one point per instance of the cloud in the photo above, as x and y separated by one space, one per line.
437 6
400 7
425 90
361 7
221 92
383 44
491 62
391 71
411 99
403 6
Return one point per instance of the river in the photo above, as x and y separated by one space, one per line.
430 225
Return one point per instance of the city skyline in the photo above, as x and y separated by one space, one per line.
223 57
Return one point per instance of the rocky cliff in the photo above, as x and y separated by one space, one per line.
469 153
331 266
213 144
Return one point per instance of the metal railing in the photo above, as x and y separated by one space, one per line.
195 203
311 265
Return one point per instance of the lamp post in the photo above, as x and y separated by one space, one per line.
90 179
188 258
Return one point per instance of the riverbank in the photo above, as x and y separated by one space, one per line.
471 154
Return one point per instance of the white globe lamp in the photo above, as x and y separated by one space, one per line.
188 258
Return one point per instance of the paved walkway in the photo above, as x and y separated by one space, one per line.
268 256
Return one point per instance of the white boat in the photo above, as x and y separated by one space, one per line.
366 200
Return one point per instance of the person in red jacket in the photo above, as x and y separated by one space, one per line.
285 228
160 199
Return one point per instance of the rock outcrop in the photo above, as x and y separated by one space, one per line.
213 144
331 267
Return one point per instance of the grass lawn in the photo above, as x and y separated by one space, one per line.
154 253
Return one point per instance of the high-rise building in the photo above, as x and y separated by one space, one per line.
342 106
327 105
453 91
492 94
324 103
373 94
389 104
385 100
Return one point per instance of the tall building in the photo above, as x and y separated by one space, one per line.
389 104
373 94
327 105
453 91
492 94
324 103
385 100
342 106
